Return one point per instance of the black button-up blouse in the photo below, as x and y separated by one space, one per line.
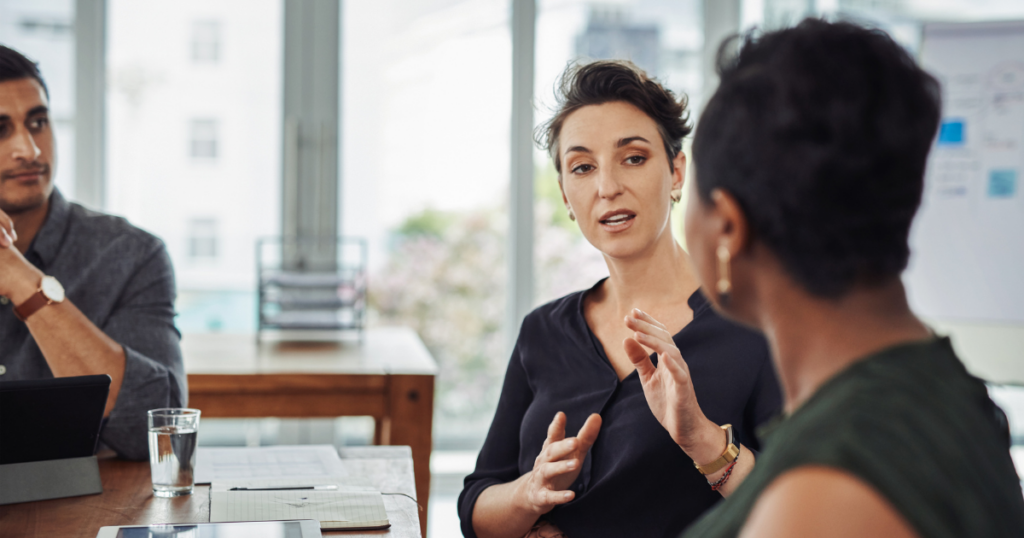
635 481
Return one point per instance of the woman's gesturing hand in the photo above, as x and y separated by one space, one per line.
668 388
558 465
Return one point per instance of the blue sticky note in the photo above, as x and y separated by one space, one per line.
1002 183
951 133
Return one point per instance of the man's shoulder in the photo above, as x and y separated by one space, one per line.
104 229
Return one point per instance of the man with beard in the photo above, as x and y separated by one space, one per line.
81 293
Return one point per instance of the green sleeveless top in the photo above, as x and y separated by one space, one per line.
911 422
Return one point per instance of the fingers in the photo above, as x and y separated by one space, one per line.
640 359
588 433
5 240
558 450
644 316
547 497
646 327
668 354
555 469
7 225
556 430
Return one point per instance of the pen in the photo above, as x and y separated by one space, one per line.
285 488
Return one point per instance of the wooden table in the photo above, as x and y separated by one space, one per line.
127 499
389 376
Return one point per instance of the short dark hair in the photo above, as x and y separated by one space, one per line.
607 81
821 133
14 65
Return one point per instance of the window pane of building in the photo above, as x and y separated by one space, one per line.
663 38
425 167
206 41
42 30
194 143
203 139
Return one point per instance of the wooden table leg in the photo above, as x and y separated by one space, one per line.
412 418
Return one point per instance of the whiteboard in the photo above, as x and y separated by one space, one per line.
967 244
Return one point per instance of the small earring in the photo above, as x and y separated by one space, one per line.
572 216
676 195
724 284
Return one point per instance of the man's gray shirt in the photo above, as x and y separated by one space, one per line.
120 277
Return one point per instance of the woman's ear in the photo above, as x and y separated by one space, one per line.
679 171
734 229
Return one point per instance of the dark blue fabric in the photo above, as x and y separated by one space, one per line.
119 277
635 481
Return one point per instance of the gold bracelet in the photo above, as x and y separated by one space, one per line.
727 457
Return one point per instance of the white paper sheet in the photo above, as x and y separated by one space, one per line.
348 507
273 462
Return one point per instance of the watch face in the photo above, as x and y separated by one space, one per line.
52 289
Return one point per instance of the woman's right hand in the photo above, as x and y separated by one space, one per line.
557 466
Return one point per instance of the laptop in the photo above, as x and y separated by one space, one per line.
51 419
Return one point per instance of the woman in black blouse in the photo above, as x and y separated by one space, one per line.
616 142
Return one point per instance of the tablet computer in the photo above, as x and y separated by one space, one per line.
298 528
51 419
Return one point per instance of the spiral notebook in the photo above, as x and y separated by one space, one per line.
347 508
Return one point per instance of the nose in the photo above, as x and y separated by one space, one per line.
23 146
609 185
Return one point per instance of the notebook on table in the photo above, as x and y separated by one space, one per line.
345 508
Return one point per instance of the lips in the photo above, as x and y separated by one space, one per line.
25 176
617 217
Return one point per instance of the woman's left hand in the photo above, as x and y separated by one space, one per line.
668 387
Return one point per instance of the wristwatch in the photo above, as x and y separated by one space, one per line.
50 291
727 457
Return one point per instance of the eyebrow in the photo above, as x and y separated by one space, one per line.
578 149
621 143
41 109
628 140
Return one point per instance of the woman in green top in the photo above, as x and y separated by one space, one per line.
809 162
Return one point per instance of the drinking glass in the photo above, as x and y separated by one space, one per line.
172 450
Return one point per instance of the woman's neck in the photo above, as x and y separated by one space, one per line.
813 339
658 278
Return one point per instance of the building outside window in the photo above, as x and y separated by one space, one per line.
203 139
202 239
206 41
42 30
169 122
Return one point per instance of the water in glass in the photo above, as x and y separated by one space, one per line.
172 459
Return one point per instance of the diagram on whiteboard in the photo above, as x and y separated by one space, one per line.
968 240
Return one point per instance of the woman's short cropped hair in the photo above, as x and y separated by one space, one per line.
607 81
821 132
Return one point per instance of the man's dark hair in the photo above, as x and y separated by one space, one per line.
821 132
607 81
14 65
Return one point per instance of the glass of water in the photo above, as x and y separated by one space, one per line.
172 450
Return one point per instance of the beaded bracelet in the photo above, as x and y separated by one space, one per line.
725 478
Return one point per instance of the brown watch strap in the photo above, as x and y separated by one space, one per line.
31 306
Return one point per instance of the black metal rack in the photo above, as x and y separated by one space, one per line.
311 284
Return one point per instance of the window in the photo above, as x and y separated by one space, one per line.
203 139
206 41
166 120
202 239
426 108
43 31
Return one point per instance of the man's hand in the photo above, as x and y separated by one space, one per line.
7 234
669 389
19 279
558 465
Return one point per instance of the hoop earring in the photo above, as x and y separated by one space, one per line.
724 285
676 196
572 216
